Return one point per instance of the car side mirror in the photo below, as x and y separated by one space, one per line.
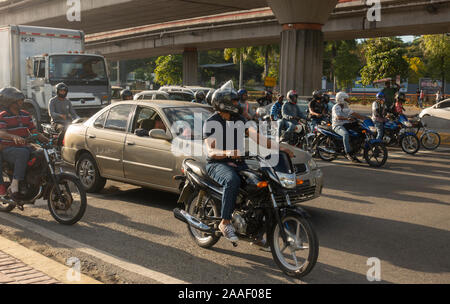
159 134
141 132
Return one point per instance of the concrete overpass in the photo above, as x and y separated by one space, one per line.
260 27
299 26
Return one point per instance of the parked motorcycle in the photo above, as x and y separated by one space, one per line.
395 132
362 140
64 193
265 206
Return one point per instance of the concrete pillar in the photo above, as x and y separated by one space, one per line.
190 66
301 42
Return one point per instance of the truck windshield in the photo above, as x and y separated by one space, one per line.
77 68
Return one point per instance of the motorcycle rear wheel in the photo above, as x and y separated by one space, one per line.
73 196
301 237
203 239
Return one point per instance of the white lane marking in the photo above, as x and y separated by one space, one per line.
105 257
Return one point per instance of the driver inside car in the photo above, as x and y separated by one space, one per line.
15 126
224 160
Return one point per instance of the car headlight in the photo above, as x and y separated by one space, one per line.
287 180
312 164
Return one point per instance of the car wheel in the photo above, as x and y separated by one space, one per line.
89 174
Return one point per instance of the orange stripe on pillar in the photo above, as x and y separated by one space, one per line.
303 26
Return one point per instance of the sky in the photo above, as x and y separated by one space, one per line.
404 38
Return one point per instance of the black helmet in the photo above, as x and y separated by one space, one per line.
223 98
63 87
10 95
209 96
326 98
292 96
317 95
268 94
126 94
400 96
200 96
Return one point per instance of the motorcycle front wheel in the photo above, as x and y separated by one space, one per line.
324 149
299 256
376 155
209 208
410 144
69 207
430 140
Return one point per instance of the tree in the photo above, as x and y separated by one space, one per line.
416 69
238 55
436 49
169 70
384 59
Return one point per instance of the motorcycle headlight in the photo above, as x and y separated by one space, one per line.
407 124
287 180
312 164
373 129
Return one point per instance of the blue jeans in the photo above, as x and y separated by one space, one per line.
228 177
314 122
380 129
285 124
342 131
19 157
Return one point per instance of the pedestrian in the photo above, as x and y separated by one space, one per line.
418 96
438 96
422 96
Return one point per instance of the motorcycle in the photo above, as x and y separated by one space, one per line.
64 193
395 132
265 206
51 133
362 140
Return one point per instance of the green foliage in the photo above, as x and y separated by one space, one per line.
169 70
436 49
346 63
384 59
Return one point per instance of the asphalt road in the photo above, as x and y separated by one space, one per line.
399 214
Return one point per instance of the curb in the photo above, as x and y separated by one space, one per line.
56 272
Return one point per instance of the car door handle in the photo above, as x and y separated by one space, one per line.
131 143
92 136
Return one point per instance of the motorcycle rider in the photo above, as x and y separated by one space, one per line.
15 125
243 104
379 114
291 116
275 112
224 160
342 115
389 93
126 95
61 111
266 99
317 109
200 97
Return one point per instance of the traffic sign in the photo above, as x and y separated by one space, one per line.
270 82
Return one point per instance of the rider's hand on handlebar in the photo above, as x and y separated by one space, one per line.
18 140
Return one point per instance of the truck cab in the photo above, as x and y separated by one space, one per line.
85 75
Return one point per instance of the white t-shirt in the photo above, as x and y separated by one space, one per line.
342 112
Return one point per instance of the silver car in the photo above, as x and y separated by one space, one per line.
133 142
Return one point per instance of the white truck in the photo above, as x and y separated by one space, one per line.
35 59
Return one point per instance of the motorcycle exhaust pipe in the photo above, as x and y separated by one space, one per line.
191 220
327 150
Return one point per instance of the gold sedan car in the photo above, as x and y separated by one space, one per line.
133 142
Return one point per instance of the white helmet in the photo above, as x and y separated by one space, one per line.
341 98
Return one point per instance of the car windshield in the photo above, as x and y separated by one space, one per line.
188 122
180 96
77 68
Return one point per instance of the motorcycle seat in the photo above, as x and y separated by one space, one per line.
200 170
